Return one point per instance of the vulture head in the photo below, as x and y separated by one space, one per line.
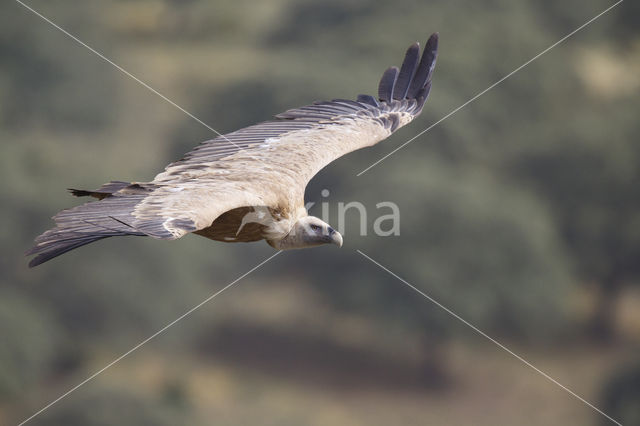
308 231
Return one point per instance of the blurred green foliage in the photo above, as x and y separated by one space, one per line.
109 405
511 209
28 350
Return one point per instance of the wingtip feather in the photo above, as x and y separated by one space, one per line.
387 83
425 69
411 80
407 71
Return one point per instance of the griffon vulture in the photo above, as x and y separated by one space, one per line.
249 185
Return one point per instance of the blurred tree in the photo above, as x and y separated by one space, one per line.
592 187
484 248
621 394
29 342
305 20
110 405
46 78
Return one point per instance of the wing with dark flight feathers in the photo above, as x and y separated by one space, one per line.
400 92
267 164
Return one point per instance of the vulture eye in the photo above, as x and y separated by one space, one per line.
315 227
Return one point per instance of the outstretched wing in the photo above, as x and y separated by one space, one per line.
266 165
270 164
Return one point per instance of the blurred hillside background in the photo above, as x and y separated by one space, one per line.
520 212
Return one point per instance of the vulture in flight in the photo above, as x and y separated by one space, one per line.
249 185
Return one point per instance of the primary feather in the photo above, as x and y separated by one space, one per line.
264 166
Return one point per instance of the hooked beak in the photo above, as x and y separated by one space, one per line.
335 237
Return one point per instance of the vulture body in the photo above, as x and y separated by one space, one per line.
249 185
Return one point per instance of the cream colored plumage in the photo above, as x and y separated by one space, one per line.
262 168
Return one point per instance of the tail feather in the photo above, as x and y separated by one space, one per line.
84 224
103 192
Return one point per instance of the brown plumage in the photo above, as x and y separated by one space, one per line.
249 185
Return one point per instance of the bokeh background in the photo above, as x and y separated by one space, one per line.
520 213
